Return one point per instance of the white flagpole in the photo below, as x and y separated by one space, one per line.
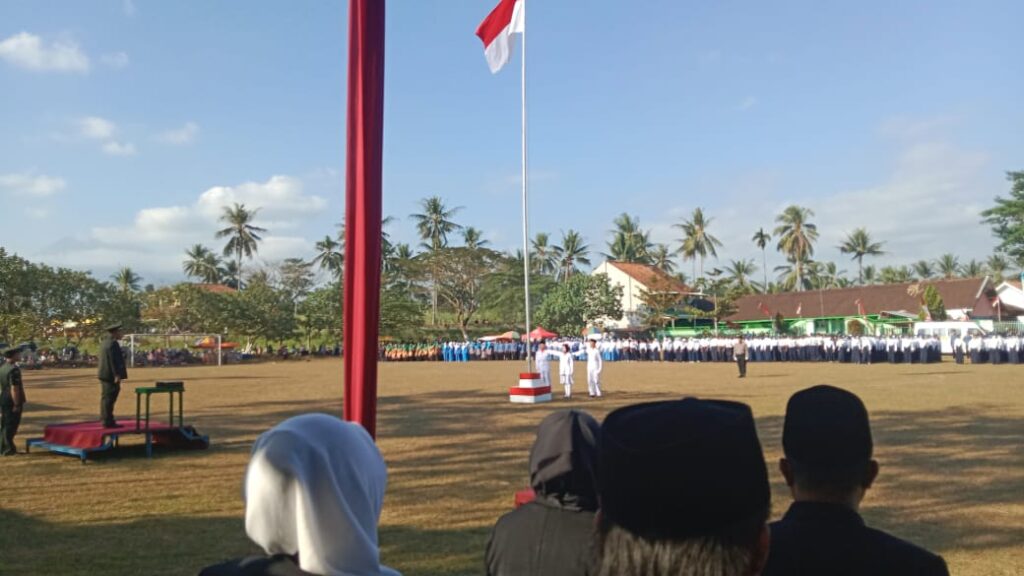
526 204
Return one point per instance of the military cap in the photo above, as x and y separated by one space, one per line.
826 425
112 327
9 351
681 468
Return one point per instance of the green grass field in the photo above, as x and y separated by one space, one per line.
949 439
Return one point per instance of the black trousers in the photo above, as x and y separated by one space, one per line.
741 362
9 422
108 398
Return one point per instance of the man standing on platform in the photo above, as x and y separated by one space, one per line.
739 352
112 371
12 399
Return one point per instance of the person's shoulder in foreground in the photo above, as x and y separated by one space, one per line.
314 489
552 535
828 467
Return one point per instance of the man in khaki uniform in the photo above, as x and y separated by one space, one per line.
739 352
12 400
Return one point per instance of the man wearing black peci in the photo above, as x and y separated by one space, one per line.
111 372
828 466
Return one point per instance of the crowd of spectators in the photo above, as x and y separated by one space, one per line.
669 488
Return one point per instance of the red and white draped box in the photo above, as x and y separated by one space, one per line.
531 390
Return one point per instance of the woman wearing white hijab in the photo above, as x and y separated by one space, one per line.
313 493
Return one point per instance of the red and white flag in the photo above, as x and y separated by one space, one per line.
763 308
507 18
799 308
860 307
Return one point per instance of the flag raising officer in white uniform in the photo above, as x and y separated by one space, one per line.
594 366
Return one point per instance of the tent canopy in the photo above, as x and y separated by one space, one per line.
539 333
505 337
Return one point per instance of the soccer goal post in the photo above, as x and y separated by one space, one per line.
198 341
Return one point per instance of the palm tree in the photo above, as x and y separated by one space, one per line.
948 265
231 275
473 238
924 269
860 245
661 257
796 239
629 242
571 252
543 258
829 276
997 266
127 280
243 237
870 275
203 264
696 242
973 269
739 271
894 275
434 224
796 275
330 256
761 239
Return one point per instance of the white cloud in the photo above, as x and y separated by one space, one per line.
28 51
115 148
184 135
747 103
37 213
96 128
115 60
37 185
156 238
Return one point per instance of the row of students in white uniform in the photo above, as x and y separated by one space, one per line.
988 349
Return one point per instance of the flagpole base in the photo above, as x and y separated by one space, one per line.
530 390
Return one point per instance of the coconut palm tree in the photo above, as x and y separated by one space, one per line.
924 269
796 275
434 224
571 252
696 242
860 245
543 258
997 266
243 236
330 256
629 242
896 275
739 271
473 238
127 280
870 275
973 269
201 263
661 257
829 276
761 239
796 239
231 275
948 265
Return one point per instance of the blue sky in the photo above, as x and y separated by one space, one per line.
125 125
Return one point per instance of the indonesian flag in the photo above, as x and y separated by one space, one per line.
860 307
764 309
507 18
799 308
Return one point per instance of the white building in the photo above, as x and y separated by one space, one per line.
635 278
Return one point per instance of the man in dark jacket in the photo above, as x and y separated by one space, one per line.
111 372
828 467
552 535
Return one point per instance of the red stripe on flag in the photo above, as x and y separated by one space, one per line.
496 21
529 391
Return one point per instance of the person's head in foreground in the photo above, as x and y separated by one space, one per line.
12 355
563 461
827 444
683 491
313 495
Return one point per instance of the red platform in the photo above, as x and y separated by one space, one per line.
92 435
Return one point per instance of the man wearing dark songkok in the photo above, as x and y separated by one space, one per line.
552 535
828 466
683 491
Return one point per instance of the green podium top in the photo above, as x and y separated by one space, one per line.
161 387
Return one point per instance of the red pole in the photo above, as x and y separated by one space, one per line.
363 209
